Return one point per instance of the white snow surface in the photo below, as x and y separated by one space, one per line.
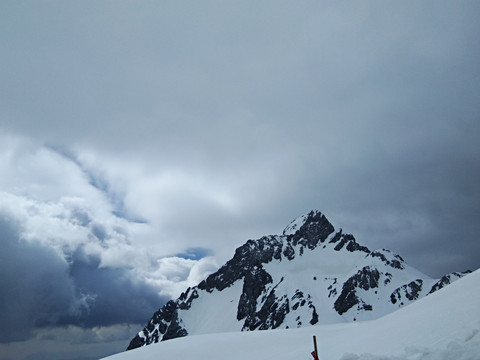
202 317
295 225
442 326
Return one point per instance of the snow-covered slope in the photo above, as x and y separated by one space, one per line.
444 325
311 274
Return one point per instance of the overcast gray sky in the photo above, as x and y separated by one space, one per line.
142 142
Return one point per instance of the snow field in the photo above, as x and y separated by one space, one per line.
442 326
202 317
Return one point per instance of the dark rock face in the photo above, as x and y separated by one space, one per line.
315 230
137 342
268 301
250 255
254 284
409 291
366 279
164 325
347 241
272 313
448 279
186 298
395 263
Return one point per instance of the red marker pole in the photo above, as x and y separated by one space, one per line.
315 351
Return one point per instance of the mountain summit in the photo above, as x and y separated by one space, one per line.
310 274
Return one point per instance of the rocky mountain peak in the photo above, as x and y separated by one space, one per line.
310 274
314 218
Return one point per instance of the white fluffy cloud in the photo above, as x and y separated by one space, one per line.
58 204
174 275
79 251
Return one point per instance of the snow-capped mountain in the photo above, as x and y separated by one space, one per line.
311 274
441 326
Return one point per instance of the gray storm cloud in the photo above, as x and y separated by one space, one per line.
71 260
40 289
35 287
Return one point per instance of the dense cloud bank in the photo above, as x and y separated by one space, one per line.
41 288
35 287
69 259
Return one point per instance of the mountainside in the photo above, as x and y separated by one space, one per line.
311 274
443 326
